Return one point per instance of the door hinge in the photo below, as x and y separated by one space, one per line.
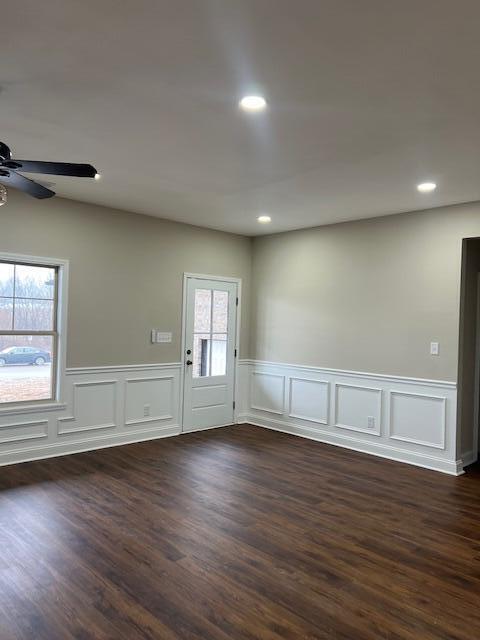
234 404
236 302
235 353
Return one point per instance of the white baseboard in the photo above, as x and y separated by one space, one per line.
409 420
57 449
346 442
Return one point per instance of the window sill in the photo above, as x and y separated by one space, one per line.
32 408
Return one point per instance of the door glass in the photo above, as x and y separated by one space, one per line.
203 310
210 333
219 354
201 355
220 311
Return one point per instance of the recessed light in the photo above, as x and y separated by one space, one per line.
97 176
426 187
253 103
264 219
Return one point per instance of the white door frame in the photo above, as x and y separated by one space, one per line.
203 276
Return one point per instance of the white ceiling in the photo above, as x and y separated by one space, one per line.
366 99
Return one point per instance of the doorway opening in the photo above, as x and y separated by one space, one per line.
468 409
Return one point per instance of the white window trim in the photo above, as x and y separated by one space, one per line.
62 315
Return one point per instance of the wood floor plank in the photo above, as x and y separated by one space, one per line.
237 533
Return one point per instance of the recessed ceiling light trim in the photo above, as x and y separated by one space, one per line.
252 103
426 187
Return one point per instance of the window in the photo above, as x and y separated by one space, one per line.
210 333
29 330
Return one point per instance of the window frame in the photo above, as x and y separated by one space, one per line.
59 334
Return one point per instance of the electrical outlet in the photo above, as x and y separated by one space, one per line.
371 422
146 410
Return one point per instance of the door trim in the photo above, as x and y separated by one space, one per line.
202 276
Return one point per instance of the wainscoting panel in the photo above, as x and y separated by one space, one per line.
358 408
21 432
268 392
309 399
103 407
418 418
149 399
94 407
406 419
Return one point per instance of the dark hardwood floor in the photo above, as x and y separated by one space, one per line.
237 533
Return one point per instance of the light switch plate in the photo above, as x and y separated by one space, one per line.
434 348
158 336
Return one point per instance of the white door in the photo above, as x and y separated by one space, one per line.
209 357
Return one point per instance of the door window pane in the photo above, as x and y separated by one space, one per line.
34 282
25 368
201 355
33 315
220 311
6 314
219 354
210 333
203 310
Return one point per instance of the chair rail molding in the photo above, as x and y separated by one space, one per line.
410 420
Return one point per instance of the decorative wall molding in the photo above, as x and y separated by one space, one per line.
346 373
76 371
90 404
276 397
103 407
23 431
414 419
355 412
318 405
152 387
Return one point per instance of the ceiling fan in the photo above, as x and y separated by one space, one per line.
9 176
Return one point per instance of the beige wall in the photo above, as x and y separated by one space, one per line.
126 273
365 296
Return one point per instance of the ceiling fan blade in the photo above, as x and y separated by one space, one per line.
15 180
52 168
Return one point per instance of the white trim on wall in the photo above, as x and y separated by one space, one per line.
345 373
323 418
377 413
419 430
103 413
442 400
102 409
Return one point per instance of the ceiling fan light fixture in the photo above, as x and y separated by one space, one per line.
3 195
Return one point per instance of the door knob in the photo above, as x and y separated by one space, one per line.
189 362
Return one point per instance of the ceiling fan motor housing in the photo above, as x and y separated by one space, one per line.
5 153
